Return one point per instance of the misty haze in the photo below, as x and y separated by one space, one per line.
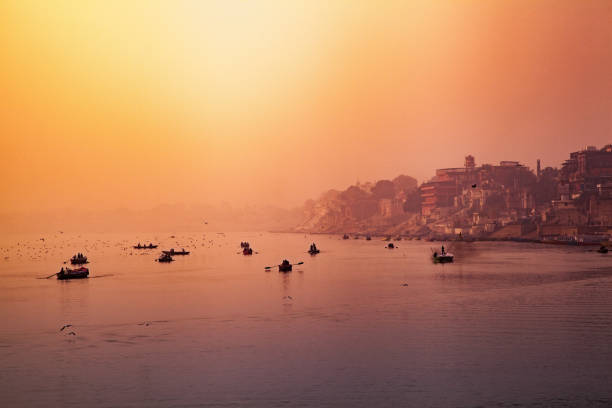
306 203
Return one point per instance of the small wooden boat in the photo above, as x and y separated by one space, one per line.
173 252
390 245
150 246
368 238
247 251
164 257
78 259
603 249
285 266
442 258
79 273
313 249
345 236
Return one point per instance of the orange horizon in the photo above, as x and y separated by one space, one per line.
110 105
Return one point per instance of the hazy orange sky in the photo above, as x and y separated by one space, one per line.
133 104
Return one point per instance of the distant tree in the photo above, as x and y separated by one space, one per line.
413 202
405 183
383 189
353 193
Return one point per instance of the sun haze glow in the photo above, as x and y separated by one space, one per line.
134 104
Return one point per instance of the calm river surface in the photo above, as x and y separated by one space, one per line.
358 325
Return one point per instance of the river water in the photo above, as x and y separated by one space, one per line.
359 325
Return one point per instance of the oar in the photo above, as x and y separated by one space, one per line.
49 276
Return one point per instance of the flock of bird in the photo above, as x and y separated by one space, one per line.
60 245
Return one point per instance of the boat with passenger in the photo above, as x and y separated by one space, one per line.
247 251
285 266
150 246
173 252
164 257
78 259
313 249
443 256
78 273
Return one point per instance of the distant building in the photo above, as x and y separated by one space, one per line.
509 185
585 169
470 163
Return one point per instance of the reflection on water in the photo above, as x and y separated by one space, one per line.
357 325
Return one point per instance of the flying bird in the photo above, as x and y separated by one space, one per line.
65 327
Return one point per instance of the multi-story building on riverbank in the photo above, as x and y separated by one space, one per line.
587 170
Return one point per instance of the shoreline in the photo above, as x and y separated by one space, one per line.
443 238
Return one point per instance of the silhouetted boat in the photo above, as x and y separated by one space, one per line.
368 238
313 250
164 257
78 259
442 257
446 258
285 266
603 249
345 236
150 246
390 245
173 252
79 273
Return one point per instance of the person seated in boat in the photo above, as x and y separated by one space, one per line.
435 254
285 262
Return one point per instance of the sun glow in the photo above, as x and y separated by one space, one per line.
144 94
